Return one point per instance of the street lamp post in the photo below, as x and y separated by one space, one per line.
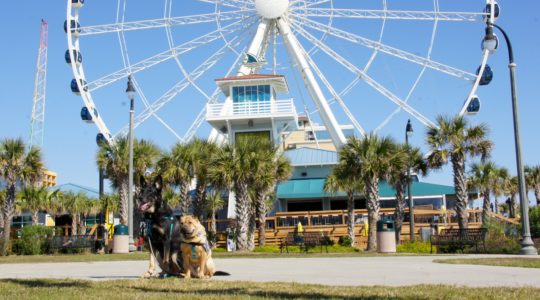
408 133
130 92
490 43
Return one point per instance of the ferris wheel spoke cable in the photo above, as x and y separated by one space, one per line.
184 83
215 96
230 3
420 75
160 23
336 96
166 55
366 78
395 14
347 36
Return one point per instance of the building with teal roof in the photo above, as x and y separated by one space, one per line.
304 191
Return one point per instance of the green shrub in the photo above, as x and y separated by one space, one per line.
345 240
414 247
534 220
34 240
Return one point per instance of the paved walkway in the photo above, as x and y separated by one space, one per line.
349 271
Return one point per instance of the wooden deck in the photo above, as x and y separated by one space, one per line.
334 223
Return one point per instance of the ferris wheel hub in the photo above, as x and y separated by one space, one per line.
271 9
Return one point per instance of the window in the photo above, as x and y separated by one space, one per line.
21 221
251 93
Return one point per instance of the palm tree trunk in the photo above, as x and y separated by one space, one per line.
400 209
74 223
242 215
460 184
261 214
537 195
513 205
198 204
123 209
35 218
213 228
252 228
185 199
350 216
372 195
1 217
485 207
8 210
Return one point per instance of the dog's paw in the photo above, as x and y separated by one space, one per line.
149 274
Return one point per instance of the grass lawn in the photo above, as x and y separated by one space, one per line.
215 289
522 262
263 252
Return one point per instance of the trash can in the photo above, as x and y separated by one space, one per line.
425 234
121 239
386 235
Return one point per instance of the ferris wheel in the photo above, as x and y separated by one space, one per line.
365 63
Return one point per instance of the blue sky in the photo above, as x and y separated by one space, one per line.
69 146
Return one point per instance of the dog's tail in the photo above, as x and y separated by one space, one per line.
221 273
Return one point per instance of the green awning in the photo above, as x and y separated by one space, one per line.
314 188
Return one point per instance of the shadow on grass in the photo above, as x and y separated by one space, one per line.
243 292
44 283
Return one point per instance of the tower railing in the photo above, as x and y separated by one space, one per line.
250 109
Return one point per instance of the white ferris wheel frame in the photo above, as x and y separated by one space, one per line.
260 42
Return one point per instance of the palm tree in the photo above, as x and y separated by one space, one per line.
372 158
35 199
485 177
398 179
455 140
202 157
272 168
114 159
213 203
234 166
16 165
511 189
533 181
2 199
171 197
344 178
176 169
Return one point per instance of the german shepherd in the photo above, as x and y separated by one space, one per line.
163 230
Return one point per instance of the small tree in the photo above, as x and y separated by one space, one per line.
533 181
213 203
454 140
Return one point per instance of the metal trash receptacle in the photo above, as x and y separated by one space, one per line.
425 234
120 239
386 235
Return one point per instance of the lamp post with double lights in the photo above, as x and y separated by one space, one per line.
130 92
491 43
408 133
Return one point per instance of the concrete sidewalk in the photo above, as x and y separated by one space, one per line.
346 271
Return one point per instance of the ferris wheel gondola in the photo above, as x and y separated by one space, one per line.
243 36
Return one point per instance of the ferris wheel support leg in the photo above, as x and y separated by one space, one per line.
256 48
296 50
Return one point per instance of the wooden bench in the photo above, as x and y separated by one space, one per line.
304 241
460 238
72 242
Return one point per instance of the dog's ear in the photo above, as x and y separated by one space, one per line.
158 183
142 182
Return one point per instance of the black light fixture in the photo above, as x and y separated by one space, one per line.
490 42
409 130
130 90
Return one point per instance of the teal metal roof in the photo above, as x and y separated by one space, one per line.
311 157
314 188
